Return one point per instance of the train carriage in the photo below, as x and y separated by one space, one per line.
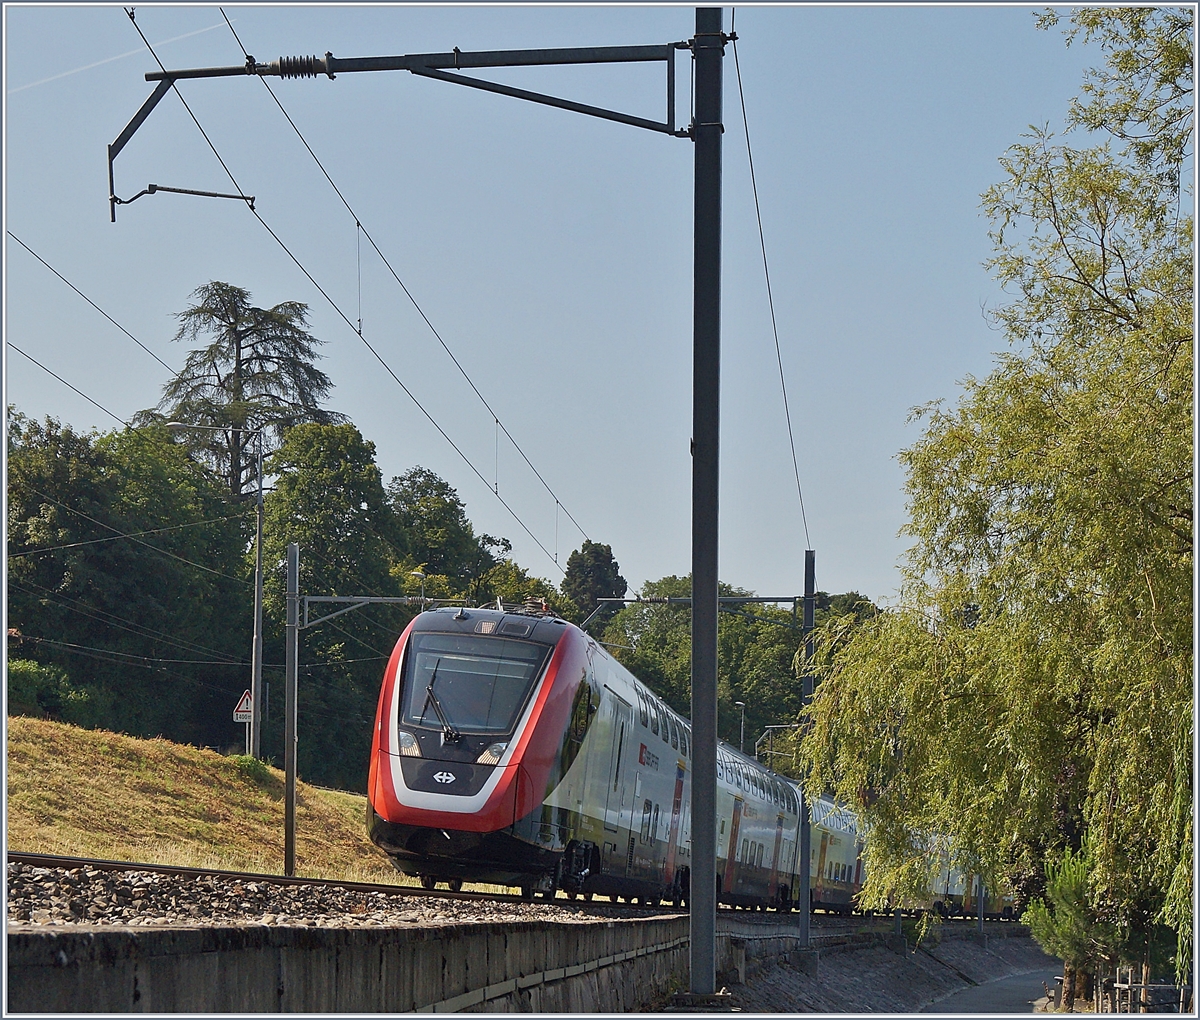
510 747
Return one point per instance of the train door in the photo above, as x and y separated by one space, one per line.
619 788
819 885
732 855
676 815
773 884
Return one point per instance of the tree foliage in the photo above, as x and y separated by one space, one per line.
1036 683
329 499
1064 923
593 574
257 371
136 627
755 650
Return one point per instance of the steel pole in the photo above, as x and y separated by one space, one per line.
805 893
979 903
708 51
256 680
289 735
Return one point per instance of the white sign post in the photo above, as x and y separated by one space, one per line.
244 713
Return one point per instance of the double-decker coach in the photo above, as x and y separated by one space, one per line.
510 747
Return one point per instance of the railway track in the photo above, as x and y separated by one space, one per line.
119 872
324 898
98 864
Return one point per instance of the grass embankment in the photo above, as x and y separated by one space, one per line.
92 793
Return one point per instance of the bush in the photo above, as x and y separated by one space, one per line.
46 692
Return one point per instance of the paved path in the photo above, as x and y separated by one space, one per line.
1015 994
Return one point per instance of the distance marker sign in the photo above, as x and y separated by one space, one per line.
245 709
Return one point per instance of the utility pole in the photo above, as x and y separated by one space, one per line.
289 729
805 894
708 50
256 675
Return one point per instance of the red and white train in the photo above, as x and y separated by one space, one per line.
511 748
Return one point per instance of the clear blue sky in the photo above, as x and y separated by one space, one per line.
552 251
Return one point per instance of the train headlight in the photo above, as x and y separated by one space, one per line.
408 744
492 754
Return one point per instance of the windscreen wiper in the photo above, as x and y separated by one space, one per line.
449 734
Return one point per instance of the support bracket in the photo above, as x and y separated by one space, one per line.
440 66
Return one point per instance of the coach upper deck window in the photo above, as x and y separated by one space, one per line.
481 683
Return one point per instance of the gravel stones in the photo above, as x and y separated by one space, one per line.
58 896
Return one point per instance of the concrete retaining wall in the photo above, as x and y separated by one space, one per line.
600 966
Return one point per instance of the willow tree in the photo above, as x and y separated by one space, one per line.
1035 685
255 369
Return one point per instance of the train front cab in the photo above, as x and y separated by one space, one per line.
470 725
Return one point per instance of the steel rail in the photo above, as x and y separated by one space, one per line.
100 864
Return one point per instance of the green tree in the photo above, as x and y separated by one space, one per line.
1035 685
593 574
329 498
153 630
755 649
1065 925
256 371
437 536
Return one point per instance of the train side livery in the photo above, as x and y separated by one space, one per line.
510 747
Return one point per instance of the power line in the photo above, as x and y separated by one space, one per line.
93 613
121 534
92 303
114 538
387 368
766 273
407 293
104 655
134 656
94 403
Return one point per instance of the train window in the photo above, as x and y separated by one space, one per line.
480 683
581 713
737 774
674 734
646 811
684 735
653 714
642 716
760 853
744 854
666 729
654 825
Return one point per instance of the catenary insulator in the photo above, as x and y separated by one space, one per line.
301 67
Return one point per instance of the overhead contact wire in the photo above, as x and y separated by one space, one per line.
770 298
299 265
407 293
91 302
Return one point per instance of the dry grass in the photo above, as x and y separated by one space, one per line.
98 794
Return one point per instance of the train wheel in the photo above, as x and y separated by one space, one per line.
527 892
587 897
428 882
455 884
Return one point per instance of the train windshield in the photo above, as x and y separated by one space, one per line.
479 683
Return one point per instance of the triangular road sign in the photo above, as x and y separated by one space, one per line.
245 709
